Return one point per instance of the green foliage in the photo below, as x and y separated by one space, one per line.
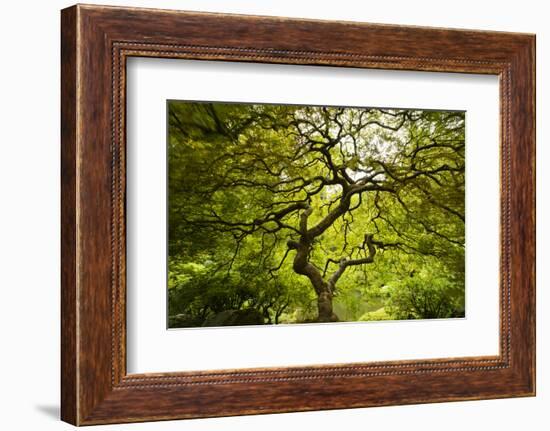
379 314
242 176
429 293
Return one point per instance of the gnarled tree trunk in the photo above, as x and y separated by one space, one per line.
324 306
323 288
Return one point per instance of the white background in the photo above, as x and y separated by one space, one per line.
29 228
151 348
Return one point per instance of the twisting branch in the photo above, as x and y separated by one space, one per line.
345 263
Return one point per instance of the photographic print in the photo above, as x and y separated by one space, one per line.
287 214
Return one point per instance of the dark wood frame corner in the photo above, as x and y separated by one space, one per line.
95 43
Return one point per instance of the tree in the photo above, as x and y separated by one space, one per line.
331 187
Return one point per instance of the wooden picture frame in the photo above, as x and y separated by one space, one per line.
95 43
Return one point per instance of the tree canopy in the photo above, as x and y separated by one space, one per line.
284 214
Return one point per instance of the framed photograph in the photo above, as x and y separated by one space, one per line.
266 215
